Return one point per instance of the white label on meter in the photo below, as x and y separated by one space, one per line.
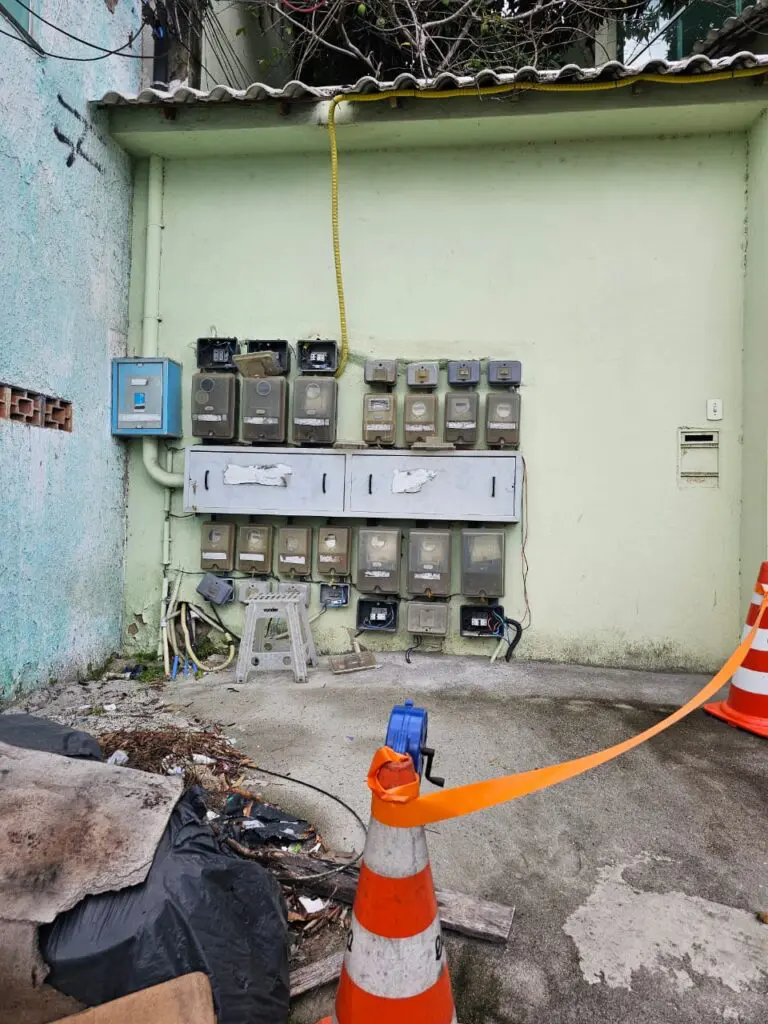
330 558
503 426
260 419
249 556
215 554
413 427
426 575
294 559
312 422
208 417
377 573
461 424
138 417
140 382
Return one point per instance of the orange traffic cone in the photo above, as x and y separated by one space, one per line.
394 969
747 703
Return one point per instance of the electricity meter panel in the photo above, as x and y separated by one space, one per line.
214 405
427 618
461 412
146 398
381 371
217 354
380 418
420 418
217 546
505 373
254 549
378 561
294 550
502 419
332 555
482 563
423 375
314 410
317 356
464 373
376 616
263 414
429 562
281 352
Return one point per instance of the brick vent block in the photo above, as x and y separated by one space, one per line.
34 410
5 402
57 414
26 407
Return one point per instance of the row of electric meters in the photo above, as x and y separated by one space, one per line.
263 413
378 556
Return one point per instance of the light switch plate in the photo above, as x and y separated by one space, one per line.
714 408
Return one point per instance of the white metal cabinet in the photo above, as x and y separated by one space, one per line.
277 481
462 486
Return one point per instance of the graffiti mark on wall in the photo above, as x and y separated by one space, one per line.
76 139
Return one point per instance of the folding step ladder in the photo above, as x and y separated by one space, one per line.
257 651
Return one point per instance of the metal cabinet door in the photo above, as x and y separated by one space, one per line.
276 481
467 488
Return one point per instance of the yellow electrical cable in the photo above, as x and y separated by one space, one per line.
193 657
488 90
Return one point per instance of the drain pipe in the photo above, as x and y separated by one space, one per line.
151 320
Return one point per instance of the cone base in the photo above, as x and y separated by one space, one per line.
750 723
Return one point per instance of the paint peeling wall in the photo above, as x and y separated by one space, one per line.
65 202
613 269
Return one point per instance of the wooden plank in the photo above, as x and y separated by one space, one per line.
185 1000
480 919
321 972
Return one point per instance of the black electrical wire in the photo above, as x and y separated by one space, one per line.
338 800
77 39
79 60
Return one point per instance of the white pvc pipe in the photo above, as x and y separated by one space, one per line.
151 317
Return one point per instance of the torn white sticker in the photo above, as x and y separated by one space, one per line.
411 481
272 475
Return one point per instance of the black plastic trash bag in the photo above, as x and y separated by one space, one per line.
201 908
253 823
33 733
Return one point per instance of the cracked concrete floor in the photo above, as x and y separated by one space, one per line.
636 885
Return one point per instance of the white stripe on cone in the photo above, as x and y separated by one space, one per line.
395 968
751 681
760 643
395 852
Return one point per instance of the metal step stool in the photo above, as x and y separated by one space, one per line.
257 653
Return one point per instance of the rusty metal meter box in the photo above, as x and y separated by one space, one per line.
380 418
332 556
263 409
314 410
294 550
217 546
254 549
378 561
420 418
429 562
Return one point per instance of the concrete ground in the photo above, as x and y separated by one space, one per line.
636 885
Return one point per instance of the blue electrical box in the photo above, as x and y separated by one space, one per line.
146 398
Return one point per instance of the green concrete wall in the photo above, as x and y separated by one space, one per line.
613 269
754 525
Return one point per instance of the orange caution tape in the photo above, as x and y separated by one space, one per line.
454 803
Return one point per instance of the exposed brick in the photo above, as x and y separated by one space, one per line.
5 402
57 414
26 407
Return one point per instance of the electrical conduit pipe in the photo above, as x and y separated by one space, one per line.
151 318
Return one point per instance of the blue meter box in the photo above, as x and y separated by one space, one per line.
146 398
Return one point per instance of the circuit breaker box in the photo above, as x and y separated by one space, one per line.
381 371
502 419
420 418
314 410
214 405
429 562
482 563
254 549
332 551
427 618
217 354
461 410
263 409
294 550
146 398
422 375
317 356
378 561
464 373
379 419
217 546
505 373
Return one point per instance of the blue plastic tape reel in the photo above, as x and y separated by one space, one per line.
407 731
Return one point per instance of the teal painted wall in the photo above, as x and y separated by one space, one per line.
613 269
65 201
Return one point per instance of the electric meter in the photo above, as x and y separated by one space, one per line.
422 375
314 410
214 405
378 561
504 373
294 546
420 418
379 418
482 563
427 618
262 409
429 562
380 371
217 546
332 555
254 549
502 419
461 417
464 373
